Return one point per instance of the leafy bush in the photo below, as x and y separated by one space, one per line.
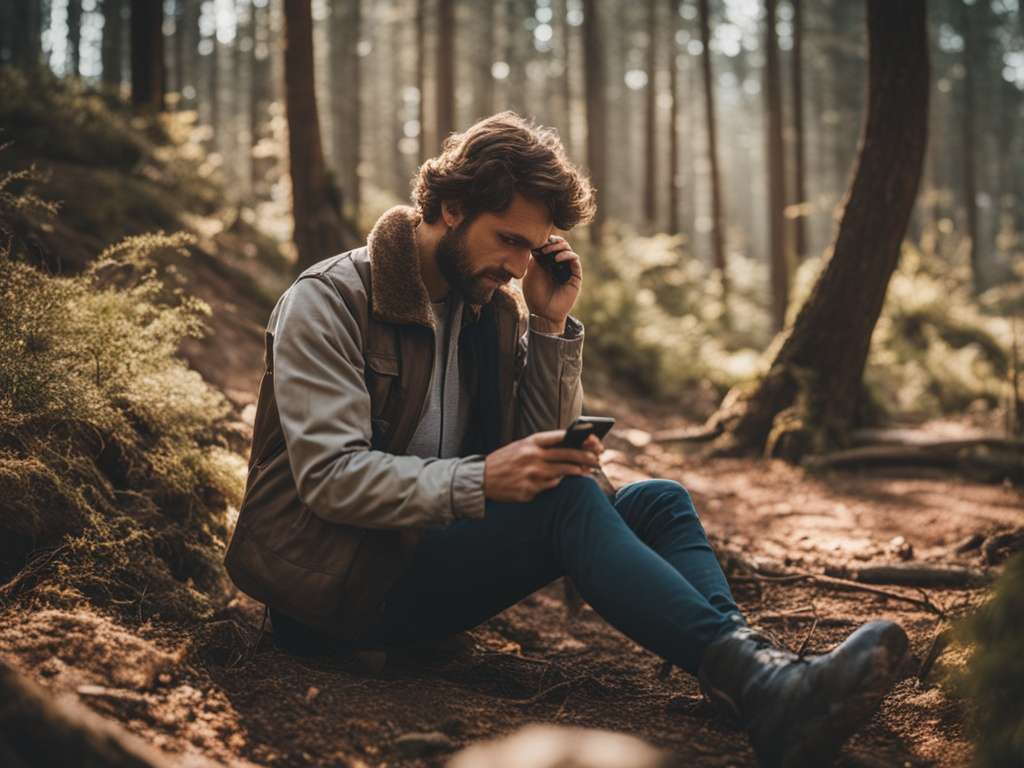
994 676
114 474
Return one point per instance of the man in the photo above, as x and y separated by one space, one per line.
406 481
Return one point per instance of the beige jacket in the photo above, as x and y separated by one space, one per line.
333 506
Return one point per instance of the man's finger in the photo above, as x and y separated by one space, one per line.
569 456
549 437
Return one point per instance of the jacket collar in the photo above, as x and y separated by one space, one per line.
397 289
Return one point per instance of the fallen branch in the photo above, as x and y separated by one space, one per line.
994 458
687 434
912 575
935 649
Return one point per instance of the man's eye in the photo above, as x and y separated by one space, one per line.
508 240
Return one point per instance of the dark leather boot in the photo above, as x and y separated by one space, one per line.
799 711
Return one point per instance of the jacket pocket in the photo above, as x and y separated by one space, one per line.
381 375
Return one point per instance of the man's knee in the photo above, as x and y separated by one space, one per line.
657 492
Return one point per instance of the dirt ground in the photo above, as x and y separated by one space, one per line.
532 663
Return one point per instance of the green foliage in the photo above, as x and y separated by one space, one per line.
656 318
994 676
111 462
934 350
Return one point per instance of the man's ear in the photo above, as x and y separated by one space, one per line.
451 213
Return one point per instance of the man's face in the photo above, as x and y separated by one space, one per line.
476 257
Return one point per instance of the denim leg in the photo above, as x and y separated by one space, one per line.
663 515
473 569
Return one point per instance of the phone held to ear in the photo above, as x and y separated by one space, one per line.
560 270
583 427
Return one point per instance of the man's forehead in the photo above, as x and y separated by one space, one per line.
525 219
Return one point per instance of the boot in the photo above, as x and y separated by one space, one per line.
798 711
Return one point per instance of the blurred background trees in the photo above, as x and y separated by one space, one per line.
722 147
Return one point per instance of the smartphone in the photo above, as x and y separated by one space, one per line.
585 426
560 270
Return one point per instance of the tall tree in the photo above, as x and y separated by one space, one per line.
74 37
315 206
597 109
421 75
147 39
814 385
26 41
711 128
650 117
566 130
799 154
774 150
483 83
444 76
673 117
112 43
970 184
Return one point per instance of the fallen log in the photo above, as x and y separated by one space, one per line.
37 731
992 459
913 575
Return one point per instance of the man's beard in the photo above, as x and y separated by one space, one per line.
455 265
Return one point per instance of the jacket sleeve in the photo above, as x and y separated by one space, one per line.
550 390
324 408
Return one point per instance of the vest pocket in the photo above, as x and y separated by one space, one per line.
381 373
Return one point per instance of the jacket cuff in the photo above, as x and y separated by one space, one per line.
573 329
467 489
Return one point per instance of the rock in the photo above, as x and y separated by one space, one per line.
548 746
419 744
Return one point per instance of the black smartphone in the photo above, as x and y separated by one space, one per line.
585 426
560 270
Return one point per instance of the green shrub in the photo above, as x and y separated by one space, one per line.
994 676
113 471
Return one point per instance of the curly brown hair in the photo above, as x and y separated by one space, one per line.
481 169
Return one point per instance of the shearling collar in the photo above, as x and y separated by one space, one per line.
397 289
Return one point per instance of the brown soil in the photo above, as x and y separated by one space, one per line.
187 690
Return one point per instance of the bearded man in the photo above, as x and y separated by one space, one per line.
407 478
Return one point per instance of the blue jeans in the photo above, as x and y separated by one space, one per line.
643 563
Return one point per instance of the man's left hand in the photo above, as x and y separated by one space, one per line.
545 296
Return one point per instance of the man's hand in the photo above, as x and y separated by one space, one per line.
545 296
523 468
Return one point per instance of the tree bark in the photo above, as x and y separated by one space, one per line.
74 37
710 121
817 374
315 205
774 151
650 112
799 153
26 41
673 118
970 178
594 79
147 37
112 43
445 70
421 74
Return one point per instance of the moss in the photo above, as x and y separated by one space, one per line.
116 489
994 675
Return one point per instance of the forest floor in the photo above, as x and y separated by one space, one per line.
533 663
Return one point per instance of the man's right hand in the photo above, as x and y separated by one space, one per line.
523 468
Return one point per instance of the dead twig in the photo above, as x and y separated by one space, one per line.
935 648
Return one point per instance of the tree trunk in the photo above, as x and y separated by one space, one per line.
421 74
568 138
717 217
111 45
147 38
258 95
673 118
483 83
650 112
774 150
799 154
594 81
74 37
967 146
445 70
27 29
315 205
817 374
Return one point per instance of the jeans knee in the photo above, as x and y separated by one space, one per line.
657 492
